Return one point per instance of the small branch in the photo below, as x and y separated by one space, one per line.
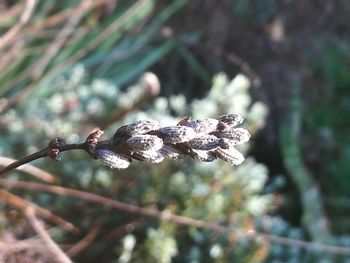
24 19
182 220
85 242
60 256
41 154
23 204
30 169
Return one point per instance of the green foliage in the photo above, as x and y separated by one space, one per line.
327 121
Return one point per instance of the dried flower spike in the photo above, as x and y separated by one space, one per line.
204 140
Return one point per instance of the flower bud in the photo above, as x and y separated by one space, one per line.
230 119
172 153
204 142
230 155
234 136
145 142
112 159
177 134
149 156
207 125
139 127
204 156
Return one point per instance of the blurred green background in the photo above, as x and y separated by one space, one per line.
67 67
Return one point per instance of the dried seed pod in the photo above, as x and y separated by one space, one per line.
204 156
234 136
145 142
149 156
172 153
177 134
207 125
229 120
230 155
139 127
204 142
112 159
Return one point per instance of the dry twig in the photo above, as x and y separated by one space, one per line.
181 220
56 251
23 204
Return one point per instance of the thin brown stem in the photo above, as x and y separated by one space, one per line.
56 251
182 220
40 154
22 204
30 169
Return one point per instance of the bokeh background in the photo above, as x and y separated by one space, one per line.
67 67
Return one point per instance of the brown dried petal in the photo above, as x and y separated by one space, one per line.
204 142
230 120
207 125
149 156
231 155
145 142
204 156
177 134
234 136
112 159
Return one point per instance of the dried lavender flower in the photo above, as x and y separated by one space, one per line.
169 151
207 125
230 120
139 127
234 136
149 156
230 155
145 142
177 134
112 159
204 142
204 156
